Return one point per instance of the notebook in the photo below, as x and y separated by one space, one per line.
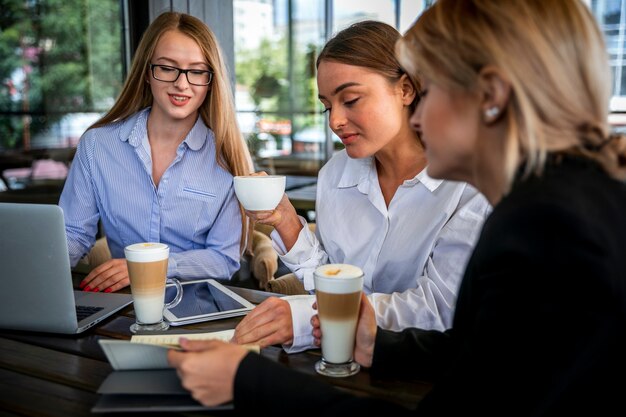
143 380
156 390
35 277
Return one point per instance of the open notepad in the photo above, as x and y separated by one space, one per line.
150 351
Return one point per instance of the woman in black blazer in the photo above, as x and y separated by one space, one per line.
515 102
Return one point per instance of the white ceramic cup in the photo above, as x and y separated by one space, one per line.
259 192
338 290
147 271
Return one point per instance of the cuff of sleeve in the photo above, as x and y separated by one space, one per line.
301 313
301 248
76 251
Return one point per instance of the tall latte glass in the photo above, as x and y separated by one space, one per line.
338 291
147 270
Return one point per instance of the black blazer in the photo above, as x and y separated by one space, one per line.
540 322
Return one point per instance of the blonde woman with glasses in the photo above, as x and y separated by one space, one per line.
516 97
159 165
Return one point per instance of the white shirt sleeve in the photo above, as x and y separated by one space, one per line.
305 255
413 253
301 313
430 305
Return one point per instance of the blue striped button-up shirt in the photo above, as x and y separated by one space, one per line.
193 210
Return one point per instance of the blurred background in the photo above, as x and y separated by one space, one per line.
62 64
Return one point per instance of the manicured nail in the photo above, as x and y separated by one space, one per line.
87 288
82 284
108 290
96 289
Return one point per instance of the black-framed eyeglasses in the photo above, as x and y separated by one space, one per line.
170 74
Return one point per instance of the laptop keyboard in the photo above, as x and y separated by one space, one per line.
82 312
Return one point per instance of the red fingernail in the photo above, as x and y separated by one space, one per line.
96 289
87 288
108 290
82 284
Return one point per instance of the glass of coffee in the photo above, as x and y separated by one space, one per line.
147 270
338 291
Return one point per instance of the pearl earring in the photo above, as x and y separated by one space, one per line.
492 112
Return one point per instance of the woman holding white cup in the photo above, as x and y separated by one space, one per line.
374 201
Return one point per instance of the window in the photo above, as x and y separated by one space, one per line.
276 45
61 68
611 15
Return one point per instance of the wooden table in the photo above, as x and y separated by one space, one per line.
56 375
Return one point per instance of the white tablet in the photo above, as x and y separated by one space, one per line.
204 300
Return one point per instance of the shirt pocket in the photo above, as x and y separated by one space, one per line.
196 194
200 208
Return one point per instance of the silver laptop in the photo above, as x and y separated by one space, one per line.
35 278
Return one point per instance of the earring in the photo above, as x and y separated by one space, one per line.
492 112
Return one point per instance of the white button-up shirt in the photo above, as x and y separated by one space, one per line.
413 253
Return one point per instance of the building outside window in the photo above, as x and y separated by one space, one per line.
611 15
276 45
277 41
62 68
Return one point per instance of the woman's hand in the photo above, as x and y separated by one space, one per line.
108 277
283 218
207 368
278 217
269 323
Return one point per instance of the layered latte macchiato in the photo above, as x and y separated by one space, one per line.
338 292
148 294
147 270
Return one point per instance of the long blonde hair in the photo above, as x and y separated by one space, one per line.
552 53
217 110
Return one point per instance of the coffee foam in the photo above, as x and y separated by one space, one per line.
146 252
338 278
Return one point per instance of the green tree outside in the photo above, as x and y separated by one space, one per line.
58 57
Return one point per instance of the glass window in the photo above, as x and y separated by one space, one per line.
347 12
60 70
276 46
410 10
611 15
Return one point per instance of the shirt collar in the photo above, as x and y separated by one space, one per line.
429 182
357 172
138 126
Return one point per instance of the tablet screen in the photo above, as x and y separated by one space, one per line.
201 298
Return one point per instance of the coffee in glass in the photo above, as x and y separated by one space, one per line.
338 292
147 270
